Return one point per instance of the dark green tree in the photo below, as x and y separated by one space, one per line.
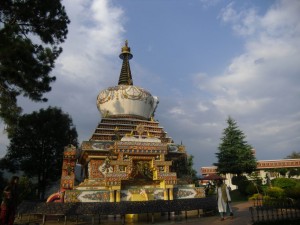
30 34
37 145
26 189
3 183
235 155
183 166
294 155
295 171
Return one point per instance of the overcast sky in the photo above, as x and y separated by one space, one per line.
205 60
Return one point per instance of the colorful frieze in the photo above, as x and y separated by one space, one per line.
97 145
114 179
87 196
134 150
96 168
140 147
191 192
68 168
166 176
142 194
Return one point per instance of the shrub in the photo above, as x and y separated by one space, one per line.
255 196
236 180
267 198
293 192
251 189
284 182
275 192
242 187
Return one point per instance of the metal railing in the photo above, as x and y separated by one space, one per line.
274 209
98 209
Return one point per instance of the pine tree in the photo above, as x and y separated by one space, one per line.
235 155
36 147
31 32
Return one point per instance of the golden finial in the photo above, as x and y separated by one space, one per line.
125 75
126 50
149 135
106 113
116 128
130 134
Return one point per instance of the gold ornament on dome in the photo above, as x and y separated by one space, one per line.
140 129
126 92
181 148
149 135
126 49
130 134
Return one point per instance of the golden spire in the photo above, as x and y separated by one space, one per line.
125 75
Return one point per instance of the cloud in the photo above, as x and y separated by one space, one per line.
96 31
242 21
176 111
238 106
262 84
282 19
85 67
259 87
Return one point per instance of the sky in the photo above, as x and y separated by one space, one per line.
206 60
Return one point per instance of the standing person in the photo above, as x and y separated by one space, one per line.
9 202
224 199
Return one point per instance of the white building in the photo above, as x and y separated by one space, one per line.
263 169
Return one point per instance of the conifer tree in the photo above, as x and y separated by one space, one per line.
31 32
36 147
235 155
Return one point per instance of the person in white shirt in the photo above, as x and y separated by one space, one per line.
224 199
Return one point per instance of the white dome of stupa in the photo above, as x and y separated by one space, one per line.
126 99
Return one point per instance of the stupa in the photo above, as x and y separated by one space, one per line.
129 156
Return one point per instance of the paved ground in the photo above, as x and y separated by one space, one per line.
241 211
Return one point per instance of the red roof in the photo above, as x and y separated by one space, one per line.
212 177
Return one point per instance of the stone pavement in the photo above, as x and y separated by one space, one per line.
242 216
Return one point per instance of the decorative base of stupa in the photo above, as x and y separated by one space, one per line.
134 193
